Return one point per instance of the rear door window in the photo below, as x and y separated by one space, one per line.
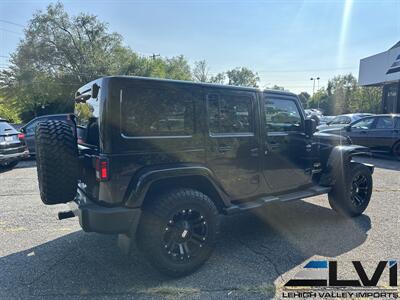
229 114
157 111
385 123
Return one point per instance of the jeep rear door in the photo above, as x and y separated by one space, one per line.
286 158
232 148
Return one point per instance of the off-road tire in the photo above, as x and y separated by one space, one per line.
341 197
57 162
154 222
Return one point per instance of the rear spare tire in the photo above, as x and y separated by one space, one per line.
57 162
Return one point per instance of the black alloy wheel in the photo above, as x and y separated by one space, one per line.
359 190
185 235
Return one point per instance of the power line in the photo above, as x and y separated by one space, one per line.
12 23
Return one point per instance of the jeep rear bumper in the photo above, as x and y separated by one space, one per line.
97 218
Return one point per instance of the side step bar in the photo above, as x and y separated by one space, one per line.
310 192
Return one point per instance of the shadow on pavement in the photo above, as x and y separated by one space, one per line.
254 250
28 163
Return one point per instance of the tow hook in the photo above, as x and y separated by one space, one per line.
65 215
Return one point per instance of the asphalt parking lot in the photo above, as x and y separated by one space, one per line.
41 257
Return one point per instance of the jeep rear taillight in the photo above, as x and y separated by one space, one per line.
102 169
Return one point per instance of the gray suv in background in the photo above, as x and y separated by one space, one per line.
12 145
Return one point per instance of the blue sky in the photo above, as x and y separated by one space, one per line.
286 42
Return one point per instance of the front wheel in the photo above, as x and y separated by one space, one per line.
178 231
352 192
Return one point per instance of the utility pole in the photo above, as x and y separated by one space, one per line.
313 88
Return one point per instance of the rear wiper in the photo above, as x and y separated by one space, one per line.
7 129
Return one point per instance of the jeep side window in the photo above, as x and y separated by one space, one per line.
157 111
229 114
282 115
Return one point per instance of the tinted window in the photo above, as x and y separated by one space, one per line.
157 111
229 114
30 129
385 123
363 124
4 126
282 115
341 120
336 120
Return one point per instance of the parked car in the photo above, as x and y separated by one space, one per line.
29 128
342 120
12 145
162 159
380 133
325 119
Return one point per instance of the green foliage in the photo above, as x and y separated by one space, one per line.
343 95
238 76
59 53
242 77
9 113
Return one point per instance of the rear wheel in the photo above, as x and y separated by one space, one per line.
396 150
178 231
57 162
351 194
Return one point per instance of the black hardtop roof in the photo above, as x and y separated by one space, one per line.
87 86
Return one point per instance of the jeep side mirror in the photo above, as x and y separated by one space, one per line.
310 126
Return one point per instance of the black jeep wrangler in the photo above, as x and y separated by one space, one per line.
157 161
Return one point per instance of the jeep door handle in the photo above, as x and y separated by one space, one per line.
223 149
254 152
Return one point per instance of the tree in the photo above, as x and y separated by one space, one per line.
277 87
8 113
200 71
219 78
304 97
242 77
60 52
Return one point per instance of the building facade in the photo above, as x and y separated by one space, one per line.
383 69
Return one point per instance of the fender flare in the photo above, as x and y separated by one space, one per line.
339 160
142 181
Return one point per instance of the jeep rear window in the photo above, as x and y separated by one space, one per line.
4 126
156 111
